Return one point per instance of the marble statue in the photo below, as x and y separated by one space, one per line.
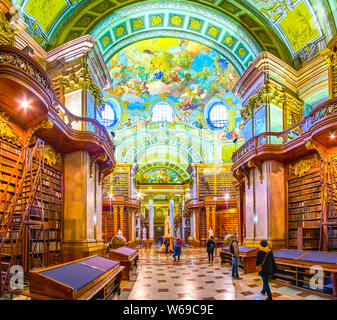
167 227
210 233
144 234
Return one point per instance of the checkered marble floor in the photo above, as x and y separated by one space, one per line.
158 277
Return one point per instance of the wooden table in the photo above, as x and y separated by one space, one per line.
128 257
247 260
296 268
91 278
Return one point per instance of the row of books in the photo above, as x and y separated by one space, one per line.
307 243
309 196
47 234
305 209
7 147
305 203
305 179
304 224
305 216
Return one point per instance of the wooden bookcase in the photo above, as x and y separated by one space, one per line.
48 244
304 211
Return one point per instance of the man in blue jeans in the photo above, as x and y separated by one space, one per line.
234 249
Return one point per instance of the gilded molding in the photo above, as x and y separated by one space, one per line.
51 156
101 157
268 94
7 33
7 132
253 164
44 124
302 167
80 79
312 146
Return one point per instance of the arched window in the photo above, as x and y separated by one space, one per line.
109 114
218 115
162 112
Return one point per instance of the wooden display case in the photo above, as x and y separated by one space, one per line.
91 278
247 260
128 257
294 268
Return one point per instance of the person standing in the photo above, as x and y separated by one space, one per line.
266 267
210 246
234 249
167 244
177 250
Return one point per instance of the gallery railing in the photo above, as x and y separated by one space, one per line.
321 112
11 57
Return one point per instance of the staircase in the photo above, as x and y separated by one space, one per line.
21 214
328 172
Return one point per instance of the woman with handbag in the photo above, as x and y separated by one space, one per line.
265 266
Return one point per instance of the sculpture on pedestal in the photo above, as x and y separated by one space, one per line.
144 234
210 233
167 227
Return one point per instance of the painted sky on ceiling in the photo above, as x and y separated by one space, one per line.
187 73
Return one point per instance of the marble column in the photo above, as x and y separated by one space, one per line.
121 219
115 215
151 219
208 209
82 233
182 219
171 213
138 235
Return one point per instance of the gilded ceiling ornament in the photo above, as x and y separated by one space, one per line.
229 40
195 24
52 157
120 31
6 131
106 40
176 20
137 24
242 52
213 31
156 20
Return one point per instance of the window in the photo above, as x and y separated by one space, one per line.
162 112
109 115
218 115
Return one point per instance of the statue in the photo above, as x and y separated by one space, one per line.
210 232
167 228
144 234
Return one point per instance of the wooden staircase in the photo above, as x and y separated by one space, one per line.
19 218
328 171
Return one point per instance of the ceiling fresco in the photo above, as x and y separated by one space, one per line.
271 25
186 73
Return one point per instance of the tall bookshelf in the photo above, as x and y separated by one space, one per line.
46 244
304 211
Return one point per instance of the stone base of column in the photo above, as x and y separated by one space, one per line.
272 243
76 250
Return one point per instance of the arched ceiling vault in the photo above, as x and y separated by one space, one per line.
282 27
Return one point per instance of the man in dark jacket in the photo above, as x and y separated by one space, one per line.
266 266
210 246
167 244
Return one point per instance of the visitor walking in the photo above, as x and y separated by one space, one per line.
266 267
234 249
167 244
177 250
210 246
